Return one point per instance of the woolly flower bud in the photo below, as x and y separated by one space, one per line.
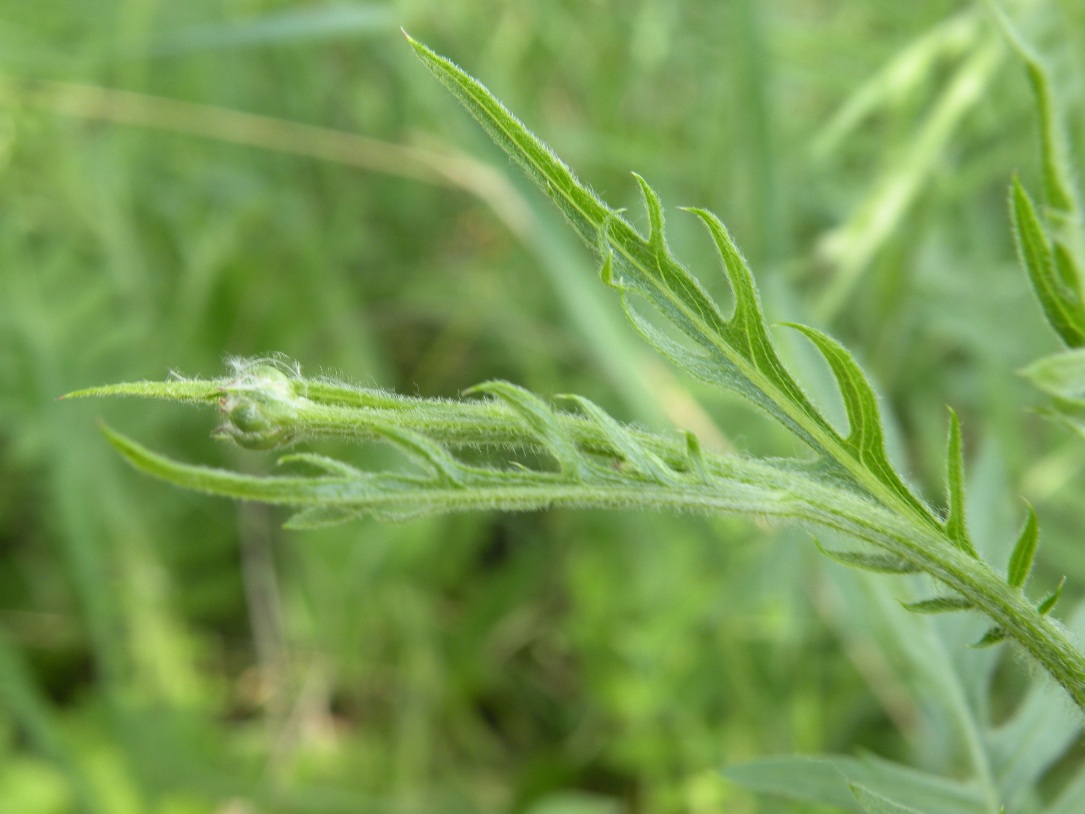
258 407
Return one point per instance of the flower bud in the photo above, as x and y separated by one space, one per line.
259 408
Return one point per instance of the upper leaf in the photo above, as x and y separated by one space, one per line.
1061 302
1052 249
738 351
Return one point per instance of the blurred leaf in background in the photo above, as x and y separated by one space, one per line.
186 181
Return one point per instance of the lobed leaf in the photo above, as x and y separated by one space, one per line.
866 439
736 352
850 486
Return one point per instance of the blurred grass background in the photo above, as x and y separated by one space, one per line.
185 181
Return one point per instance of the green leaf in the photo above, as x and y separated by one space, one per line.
850 486
1034 738
321 462
865 437
873 803
825 780
1058 175
429 454
203 391
736 352
1061 375
695 457
540 421
877 562
320 517
940 604
737 485
1061 304
289 26
992 637
1055 265
956 527
626 444
1048 603
1024 552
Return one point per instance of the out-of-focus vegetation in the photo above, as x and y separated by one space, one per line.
184 181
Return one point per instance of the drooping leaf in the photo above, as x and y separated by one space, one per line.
429 454
736 485
642 460
331 466
540 420
867 561
992 637
320 517
940 604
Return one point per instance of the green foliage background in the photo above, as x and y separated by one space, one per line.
160 651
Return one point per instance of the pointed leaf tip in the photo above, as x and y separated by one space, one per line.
695 457
1047 604
655 215
424 451
539 418
606 272
878 563
1024 552
1063 310
866 438
939 604
989 639
320 517
874 803
956 527
624 443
